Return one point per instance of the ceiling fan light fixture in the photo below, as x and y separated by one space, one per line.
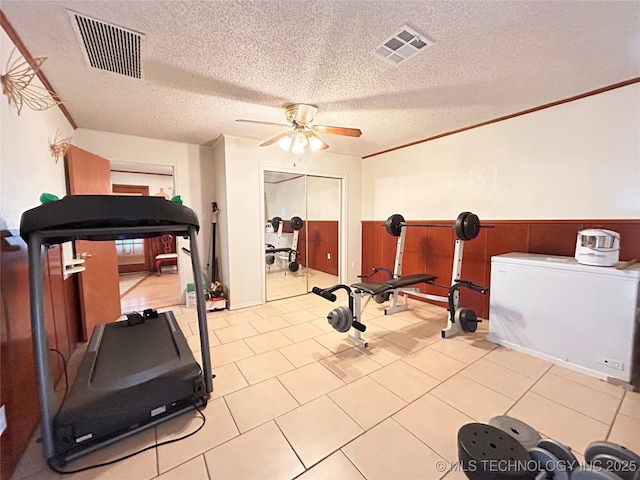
285 142
301 134
315 143
301 139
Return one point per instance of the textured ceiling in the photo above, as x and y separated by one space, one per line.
209 63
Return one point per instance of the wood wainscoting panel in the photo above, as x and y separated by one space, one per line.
413 258
439 256
323 245
372 250
474 269
629 242
553 238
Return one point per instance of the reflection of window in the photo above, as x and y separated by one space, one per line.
130 251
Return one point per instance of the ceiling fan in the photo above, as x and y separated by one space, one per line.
301 133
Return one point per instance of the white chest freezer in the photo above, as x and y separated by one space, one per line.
582 317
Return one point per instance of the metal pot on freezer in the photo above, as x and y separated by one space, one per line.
598 247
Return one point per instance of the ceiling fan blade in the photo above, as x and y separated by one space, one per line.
349 132
275 139
264 123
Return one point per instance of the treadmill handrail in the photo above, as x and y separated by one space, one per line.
105 211
52 237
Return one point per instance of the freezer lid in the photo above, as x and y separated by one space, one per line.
563 263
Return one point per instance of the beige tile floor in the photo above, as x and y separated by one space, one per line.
295 399
281 283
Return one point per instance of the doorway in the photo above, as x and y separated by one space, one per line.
302 230
141 285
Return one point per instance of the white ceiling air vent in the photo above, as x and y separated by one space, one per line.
402 45
109 47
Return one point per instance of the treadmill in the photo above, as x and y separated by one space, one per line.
135 373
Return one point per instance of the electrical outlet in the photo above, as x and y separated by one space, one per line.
3 420
328 256
353 264
610 362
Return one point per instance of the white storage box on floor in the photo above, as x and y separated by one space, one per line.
582 317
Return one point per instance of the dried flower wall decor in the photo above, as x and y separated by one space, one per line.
17 86
59 147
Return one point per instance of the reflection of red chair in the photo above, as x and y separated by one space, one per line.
168 257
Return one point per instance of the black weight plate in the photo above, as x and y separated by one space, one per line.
610 448
525 434
271 259
293 266
459 226
296 223
481 446
275 222
561 452
471 226
379 298
394 224
468 320
622 468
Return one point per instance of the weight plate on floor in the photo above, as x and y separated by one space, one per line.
270 259
296 223
622 468
561 452
294 266
394 224
480 449
467 319
547 462
613 449
519 430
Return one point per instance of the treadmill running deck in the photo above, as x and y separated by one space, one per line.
129 376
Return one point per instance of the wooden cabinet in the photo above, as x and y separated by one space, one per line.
18 392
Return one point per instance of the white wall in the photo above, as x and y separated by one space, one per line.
576 160
286 199
319 199
27 168
191 163
323 198
245 163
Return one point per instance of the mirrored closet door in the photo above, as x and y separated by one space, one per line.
301 239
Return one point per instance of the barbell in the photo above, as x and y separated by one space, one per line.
296 223
467 225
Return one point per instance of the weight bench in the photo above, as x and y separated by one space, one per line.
344 318
397 286
388 286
